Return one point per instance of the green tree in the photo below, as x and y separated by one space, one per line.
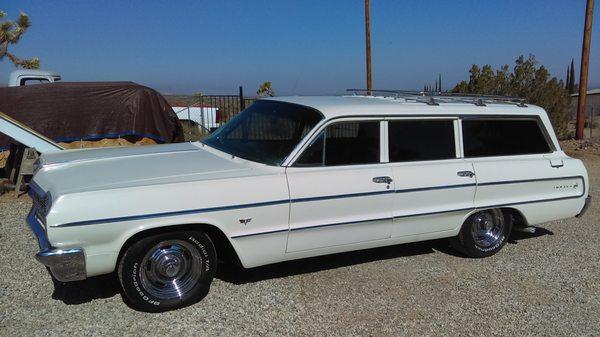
527 80
571 84
568 78
266 90
10 34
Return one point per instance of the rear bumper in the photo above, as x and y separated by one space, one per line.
588 201
65 264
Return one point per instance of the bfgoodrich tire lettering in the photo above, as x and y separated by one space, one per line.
167 271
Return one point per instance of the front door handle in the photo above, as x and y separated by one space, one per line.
382 180
469 174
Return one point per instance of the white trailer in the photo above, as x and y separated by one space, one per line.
205 117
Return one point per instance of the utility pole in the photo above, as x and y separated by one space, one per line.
583 75
368 46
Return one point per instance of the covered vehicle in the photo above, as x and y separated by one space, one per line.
67 112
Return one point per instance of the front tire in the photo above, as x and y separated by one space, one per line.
483 234
167 271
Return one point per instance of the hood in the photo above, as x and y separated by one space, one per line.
108 168
26 136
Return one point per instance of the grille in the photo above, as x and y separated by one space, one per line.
41 204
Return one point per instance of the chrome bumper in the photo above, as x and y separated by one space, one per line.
65 264
588 201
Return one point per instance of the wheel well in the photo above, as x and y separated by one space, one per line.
517 218
225 251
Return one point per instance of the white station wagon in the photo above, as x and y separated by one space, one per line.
295 177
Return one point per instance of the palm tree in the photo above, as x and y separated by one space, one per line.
10 33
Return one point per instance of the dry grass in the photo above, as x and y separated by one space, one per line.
192 132
108 142
3 156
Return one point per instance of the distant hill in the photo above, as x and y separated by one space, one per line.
180 100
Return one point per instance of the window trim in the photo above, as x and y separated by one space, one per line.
319 129
297 152
541 126
458 138
384 138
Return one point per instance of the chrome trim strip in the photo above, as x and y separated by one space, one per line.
528 181
313 227
340 224
167 214
307 199
339 196
532 201
419 189
260 233
411 215
433 213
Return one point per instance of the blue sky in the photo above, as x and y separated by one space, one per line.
303 46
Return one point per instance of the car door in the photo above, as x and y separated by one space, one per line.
517 166
340 193
434 187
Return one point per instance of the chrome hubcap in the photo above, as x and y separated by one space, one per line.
487 228
170 269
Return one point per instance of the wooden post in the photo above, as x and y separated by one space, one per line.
368 44
583 75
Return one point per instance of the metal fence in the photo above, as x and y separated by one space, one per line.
206 113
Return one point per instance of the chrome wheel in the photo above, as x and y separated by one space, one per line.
487 228
170 269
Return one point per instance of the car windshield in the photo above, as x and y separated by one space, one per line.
266 132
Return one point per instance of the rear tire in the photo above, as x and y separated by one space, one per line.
167 271
483 234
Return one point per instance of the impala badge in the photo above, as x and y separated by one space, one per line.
245 221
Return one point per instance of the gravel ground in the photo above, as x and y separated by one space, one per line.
546 284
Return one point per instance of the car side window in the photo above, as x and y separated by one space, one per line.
503 137
345 143
414 140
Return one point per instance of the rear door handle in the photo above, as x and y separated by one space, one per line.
382 180
469 174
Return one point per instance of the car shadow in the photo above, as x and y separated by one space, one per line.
515 236
106 286
235 274
79 292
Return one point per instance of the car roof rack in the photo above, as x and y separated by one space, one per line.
435 98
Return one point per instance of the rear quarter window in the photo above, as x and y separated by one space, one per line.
503 137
